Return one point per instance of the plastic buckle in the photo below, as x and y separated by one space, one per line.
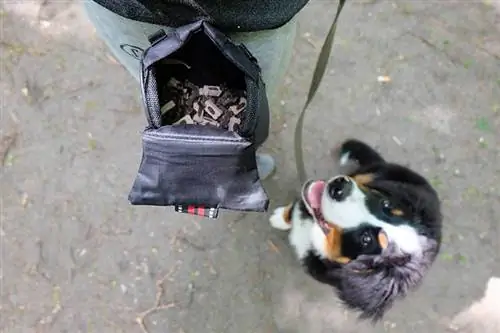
211 213
157 36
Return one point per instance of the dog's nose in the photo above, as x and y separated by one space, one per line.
340 188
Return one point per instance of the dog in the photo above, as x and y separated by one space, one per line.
372 234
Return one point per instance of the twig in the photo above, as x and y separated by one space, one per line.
273 246
160 291
6 143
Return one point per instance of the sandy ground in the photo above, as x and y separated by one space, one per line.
76 257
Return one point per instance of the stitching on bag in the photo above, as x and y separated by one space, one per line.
172 137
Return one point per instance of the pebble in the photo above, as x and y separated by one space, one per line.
123 288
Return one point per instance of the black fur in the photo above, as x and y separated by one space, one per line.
371 283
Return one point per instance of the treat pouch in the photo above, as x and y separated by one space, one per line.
207 113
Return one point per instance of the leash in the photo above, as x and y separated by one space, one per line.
319 72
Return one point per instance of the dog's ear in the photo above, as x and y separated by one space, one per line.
371 284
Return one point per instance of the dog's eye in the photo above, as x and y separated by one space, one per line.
366 239
386 206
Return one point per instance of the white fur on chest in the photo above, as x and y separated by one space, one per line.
305 236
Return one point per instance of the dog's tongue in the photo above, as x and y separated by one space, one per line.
314 194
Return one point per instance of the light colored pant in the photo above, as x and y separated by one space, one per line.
127 39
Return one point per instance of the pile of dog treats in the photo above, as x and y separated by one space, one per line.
218 106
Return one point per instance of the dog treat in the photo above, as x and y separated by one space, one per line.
185 120
233 122
242 104
174 83
212 105
167 107
212 110
213 91
209 121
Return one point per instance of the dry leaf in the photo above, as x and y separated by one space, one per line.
6 142
273 247
24 200
383 79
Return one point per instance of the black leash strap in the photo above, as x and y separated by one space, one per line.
319 71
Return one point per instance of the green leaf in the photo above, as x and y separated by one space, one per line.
461 258
483 124
447 256
436 182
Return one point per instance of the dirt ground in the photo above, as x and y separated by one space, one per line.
77 257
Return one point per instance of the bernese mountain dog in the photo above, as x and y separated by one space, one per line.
371 233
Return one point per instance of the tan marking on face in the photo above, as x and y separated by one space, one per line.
333 246
382 240
363 179
397 212
287 214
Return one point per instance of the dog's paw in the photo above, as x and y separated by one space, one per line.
280 219
358 152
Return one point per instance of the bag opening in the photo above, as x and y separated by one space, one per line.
198 85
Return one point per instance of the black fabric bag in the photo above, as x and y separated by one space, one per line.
199 168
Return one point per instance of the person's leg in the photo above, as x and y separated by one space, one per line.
127 39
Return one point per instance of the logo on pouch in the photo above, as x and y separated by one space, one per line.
132 50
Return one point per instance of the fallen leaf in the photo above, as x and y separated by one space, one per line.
272 246
6 142
447 256
56 296
483 124
92 142
24 199
90 105
383 79
436 182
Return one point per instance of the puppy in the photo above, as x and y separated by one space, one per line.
371 234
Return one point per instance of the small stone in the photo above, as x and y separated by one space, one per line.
123 288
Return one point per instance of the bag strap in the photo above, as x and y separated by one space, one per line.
319 71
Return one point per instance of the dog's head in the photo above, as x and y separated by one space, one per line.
382 229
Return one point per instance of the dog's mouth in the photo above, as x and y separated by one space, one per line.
312 193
